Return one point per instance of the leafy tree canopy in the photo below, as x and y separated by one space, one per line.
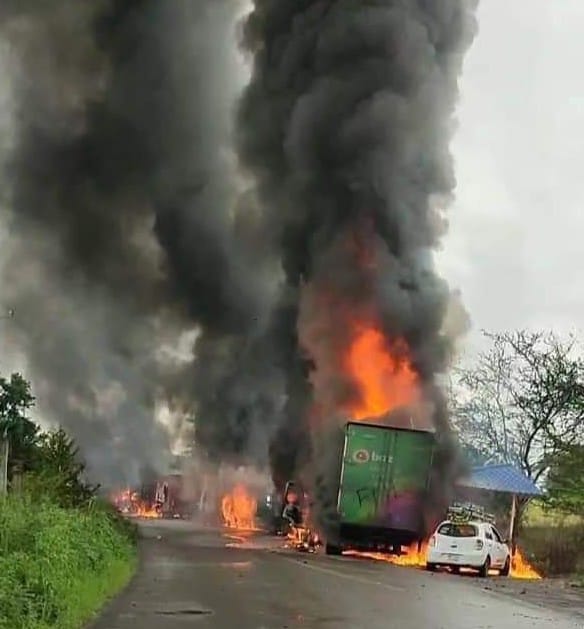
566 481
16 400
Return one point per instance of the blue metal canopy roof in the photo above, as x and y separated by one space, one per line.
503 478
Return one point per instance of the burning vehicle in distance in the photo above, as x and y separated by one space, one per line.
383 488
157 499
295 506
278 507
168 498
124 501
130 503
294 519
269 512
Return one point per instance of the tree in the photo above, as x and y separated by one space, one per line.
522 402
16 400
49 460
565 483
57 471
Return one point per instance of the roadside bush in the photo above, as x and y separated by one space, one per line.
57 566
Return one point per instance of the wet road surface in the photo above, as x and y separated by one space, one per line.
205 579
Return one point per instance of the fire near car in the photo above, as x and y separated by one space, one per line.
468 539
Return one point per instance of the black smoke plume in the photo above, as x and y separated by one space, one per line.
120 200
128 225
345 127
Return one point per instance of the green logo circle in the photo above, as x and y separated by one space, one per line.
361 456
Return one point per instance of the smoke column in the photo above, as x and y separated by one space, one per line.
128 225
345 127
120 210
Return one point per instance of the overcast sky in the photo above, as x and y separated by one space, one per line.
515 246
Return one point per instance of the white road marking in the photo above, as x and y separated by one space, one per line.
342 575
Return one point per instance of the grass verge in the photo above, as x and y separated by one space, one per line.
58 566
94 593
554 541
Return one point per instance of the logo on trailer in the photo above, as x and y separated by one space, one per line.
361 456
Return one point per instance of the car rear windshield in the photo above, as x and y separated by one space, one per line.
458 530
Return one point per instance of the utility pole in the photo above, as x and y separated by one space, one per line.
5 441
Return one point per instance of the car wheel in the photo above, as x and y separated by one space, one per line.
484 569
431 567
506 569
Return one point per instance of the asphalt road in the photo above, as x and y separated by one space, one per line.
206 579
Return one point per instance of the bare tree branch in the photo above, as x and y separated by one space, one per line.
522 402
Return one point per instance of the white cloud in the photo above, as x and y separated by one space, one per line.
516 229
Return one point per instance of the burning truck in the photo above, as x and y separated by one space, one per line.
131 503
158 499
168 498
381 464
383 489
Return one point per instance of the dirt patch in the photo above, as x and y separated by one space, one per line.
557 593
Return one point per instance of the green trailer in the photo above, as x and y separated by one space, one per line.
383 488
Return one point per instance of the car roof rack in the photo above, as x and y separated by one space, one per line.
465 512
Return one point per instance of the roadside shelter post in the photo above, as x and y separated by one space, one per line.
512 522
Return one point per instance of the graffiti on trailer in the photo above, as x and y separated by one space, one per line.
367 494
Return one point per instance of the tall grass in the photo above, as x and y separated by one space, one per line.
556 550
58 566
553 540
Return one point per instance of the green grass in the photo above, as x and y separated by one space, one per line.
59 566
93 593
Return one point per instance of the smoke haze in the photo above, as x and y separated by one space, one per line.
120 188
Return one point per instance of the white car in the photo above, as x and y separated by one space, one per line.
474 544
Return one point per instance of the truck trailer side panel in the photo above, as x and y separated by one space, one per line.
384 481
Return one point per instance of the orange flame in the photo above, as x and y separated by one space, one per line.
521 569
238 509
130 503
412 557
145 511
300 535
385 379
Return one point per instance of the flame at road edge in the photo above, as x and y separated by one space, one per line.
414 557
